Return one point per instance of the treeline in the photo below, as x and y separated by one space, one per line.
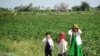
61 7
85 7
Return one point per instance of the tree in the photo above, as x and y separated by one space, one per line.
30 7
98 7
76 8
21 8
84 6
4 9
24 8
62 7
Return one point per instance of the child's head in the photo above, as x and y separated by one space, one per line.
47 34
62 35
75 28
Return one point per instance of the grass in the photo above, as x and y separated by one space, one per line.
21 35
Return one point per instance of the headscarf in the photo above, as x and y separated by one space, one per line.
61 36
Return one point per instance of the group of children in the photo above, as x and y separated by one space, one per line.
75 43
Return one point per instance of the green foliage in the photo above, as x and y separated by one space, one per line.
4 9
84 6
98 7
4 47
76 8
21 35
24 8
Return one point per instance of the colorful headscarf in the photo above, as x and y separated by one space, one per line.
61 36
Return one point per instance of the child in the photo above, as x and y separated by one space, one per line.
48 44
62 44
75 41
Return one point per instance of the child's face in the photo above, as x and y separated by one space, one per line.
48 36
75 29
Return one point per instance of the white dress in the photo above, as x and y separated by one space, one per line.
62 46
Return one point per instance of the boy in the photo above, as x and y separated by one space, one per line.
48 44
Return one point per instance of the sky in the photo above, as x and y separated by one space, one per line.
45 3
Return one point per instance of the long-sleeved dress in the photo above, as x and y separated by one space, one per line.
75 43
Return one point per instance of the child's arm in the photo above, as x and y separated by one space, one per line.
44 40
80 32
52 44
70 32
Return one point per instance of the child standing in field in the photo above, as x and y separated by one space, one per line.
48 44
75 41
62 45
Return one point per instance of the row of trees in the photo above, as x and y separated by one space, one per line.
4 9
61 7
84 7
24 8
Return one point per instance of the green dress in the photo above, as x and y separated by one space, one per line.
75 50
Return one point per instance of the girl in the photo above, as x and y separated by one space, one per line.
62 44
75 41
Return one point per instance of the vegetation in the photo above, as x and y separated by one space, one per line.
3 9
61 7
83 7
76 8
98 7
22 29
21 35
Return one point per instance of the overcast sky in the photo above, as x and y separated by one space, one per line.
45 3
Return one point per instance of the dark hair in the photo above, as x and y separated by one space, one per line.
47 33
